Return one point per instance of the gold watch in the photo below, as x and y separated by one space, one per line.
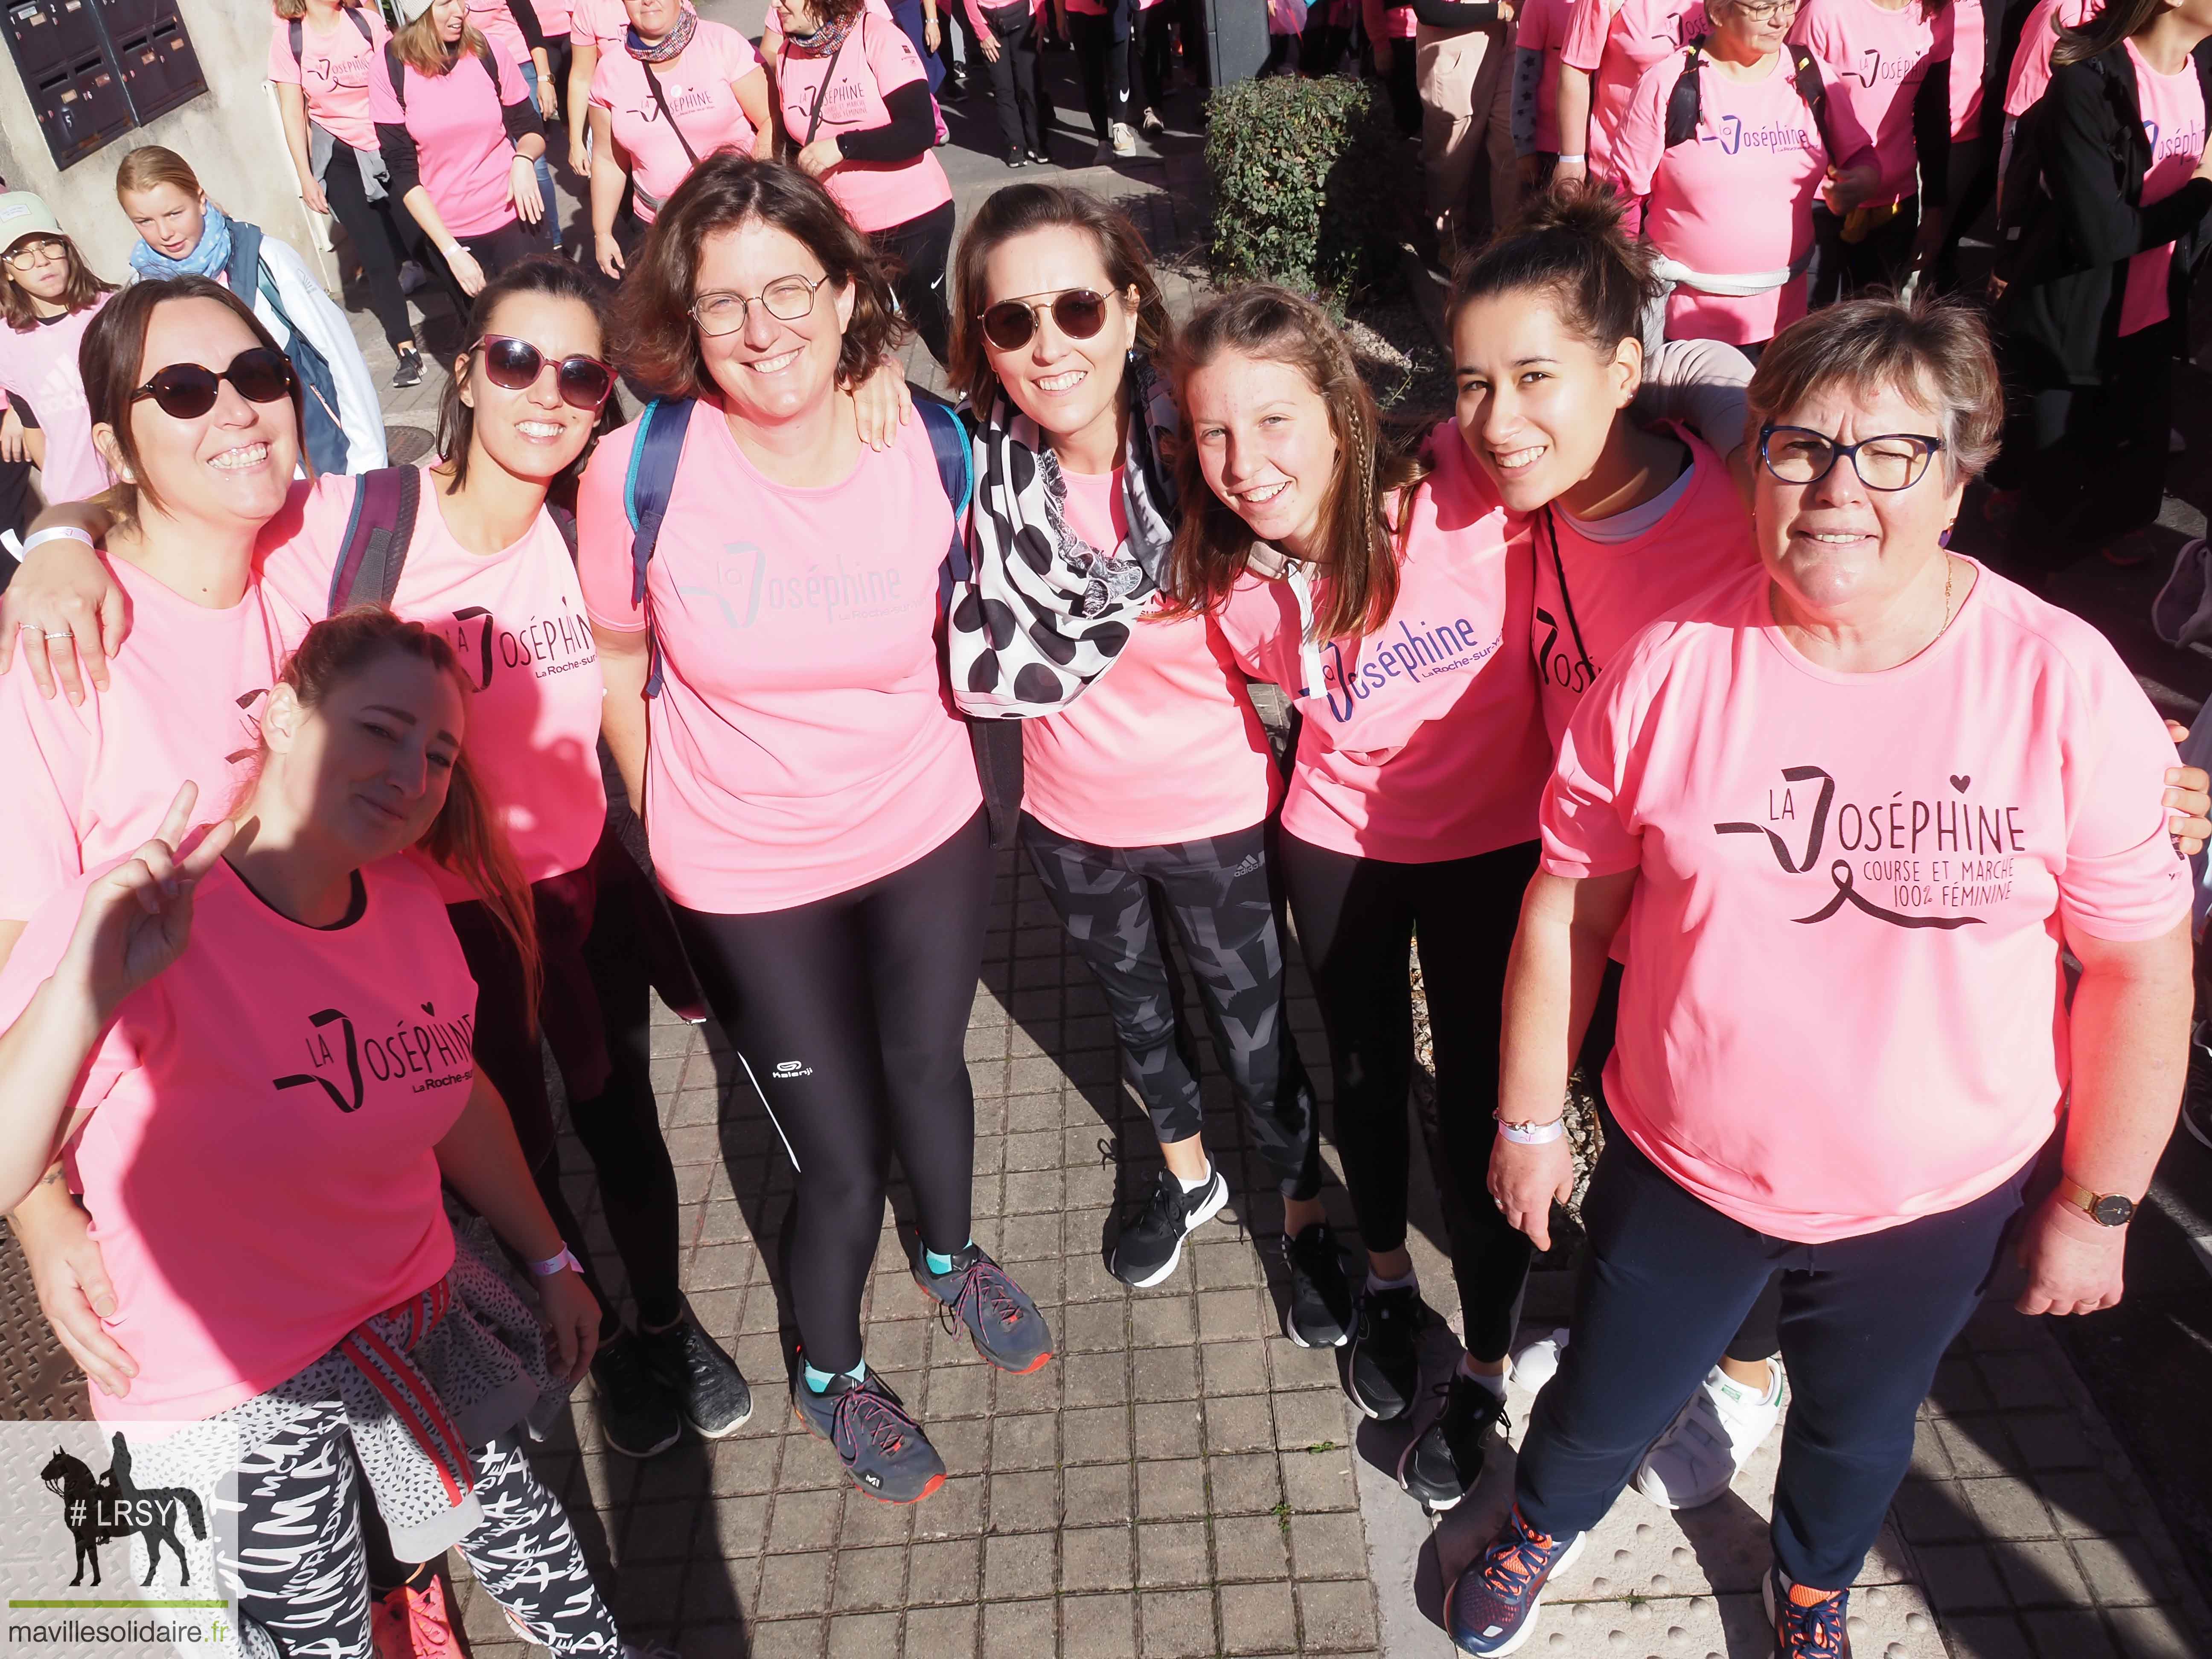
2106 1209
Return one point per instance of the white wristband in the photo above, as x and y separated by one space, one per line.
1578 161
1533 1135
554 1264
58 533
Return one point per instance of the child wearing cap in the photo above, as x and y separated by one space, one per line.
48 297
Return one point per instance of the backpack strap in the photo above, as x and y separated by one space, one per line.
646 492
243 273
396 67
359 22
377 534
1813 87
948 444
297 32
1684 102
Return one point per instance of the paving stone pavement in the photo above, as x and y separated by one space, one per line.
1181 1480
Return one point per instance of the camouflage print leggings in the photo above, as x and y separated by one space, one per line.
1220 893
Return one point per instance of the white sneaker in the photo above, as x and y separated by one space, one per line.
1151 124
412 276
1533 1367
1713 1436
1125 142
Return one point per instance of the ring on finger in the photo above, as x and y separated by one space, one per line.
62 634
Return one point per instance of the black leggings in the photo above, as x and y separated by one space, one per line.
494 251
1013 77
1358 920
921 246
1151 54
380 240
2091 460
1102 49
849 1015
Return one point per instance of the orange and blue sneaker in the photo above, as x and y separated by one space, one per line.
1005 1324
1808 1623
1490 1610
883 1450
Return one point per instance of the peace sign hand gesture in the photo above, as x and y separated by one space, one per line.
136 919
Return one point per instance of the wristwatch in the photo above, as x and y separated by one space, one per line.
2106 1209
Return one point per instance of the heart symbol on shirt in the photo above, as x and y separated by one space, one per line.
1959 783
432 1012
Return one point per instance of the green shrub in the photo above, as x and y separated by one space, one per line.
1310 182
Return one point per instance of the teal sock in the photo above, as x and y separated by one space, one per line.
939 1264
818 1380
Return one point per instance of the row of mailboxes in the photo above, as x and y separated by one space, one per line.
97 68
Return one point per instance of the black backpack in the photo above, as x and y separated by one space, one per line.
299 34
1684 102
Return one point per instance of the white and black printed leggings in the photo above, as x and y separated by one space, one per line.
301 1573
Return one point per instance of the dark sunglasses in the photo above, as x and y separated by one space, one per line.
1076 312
515 365
185 391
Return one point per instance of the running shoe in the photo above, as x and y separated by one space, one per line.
1016 157
1152 124
1007 1328
1442 1466
1538 1362
1385 1362
1152 1243
637 1416
1318 1313
409 372
1123 141
1491 1608
1807 1624
412 276
1713 1436
703 1381
883 1448
2197 1092
412 1623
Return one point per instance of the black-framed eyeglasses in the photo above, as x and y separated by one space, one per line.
1892 460
1078 313
185 391
515 365
723 311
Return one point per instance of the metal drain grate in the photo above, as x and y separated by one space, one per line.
38 1379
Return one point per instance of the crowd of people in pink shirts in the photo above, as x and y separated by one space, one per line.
342 795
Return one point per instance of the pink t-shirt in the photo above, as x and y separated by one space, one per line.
1543 27
258 1163
1166 746
39 365
877 58
1385 22
1614 590
1734 199
1969 28
2031 61
516 618
1422 742
492 20
1615 46
803 743
460 142
552 18
601 23
700 91
2172 108
1843 1005
86 784
332 72
1881 57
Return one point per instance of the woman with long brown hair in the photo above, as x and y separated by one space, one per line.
48 298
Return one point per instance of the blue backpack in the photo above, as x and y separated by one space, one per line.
322 432
652 481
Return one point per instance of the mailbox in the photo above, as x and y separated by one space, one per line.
95 69
179 79
82 109
48 35
127 20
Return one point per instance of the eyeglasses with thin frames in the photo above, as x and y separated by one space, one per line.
1888 461
723 311
26 254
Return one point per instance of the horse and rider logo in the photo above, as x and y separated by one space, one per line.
99 1511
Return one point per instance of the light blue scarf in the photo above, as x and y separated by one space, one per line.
210 258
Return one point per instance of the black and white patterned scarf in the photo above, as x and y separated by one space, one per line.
1044 613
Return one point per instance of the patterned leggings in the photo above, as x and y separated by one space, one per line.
301 1573
1219 891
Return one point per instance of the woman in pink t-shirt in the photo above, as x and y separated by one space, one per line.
320 58
1839 902
778 709
48 299
461 139
1609 46
855 106
678 89
2097 268
1390 599
1144 766
251 1044
1540 35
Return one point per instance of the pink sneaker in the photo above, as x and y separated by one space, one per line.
412 1623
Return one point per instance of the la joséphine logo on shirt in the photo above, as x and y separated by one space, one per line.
2186 141
548 645
1873 68
419 1055
1404 654
828 590
1734 137
1907 859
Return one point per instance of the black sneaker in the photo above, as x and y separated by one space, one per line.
1385 1365
2197 1091
1017 157
1443 1466
1319 1312
1151 1242
703 1381
409 372
1002 1321
1039 157
637 1416
884 1450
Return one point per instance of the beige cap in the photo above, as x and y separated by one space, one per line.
22 215
411 9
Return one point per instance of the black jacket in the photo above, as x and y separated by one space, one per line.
2074 216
